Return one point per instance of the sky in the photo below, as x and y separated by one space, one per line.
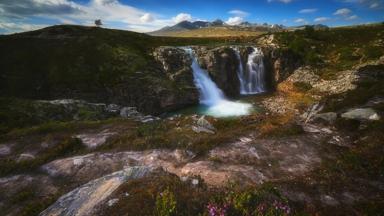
150 15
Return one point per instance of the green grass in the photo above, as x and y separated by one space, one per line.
335 49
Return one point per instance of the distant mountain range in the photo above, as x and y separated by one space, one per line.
188 25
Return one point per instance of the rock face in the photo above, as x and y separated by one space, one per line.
176 63
84 199
222 65
280 63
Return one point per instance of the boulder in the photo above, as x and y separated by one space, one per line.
4 150
367 114
203 125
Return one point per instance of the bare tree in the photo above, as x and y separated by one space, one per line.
98 22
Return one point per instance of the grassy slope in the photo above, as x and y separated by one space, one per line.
335 49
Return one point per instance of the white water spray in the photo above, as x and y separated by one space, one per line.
252 80
212 97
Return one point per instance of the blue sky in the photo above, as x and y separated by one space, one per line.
149 15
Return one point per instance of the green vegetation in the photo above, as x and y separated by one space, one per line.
165 203
167 195
335 49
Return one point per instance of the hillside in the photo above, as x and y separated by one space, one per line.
86 63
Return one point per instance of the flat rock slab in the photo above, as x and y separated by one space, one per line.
87 167
84 199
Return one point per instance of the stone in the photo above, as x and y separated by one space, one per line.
4 150
84 199
127 112
202 129
113 108
93 140
112 202
203 125
362 114
25 157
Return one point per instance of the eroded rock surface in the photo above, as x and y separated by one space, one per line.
84 199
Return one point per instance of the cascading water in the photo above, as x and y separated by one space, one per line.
210 94
212 97
252 80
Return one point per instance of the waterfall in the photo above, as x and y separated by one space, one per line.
252 80
211 96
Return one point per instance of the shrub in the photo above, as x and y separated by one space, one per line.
166 203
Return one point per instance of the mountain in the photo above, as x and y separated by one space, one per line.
215 28
182 26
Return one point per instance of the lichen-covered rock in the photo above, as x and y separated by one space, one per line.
84 199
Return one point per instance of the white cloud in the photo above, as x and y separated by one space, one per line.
111 12
238 13
301 20
234 20
343 12
9 27
284 1
374 5
321 19
353 17
308 10
182 17
146 18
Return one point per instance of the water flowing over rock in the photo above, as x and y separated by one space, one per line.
211 96
252 79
